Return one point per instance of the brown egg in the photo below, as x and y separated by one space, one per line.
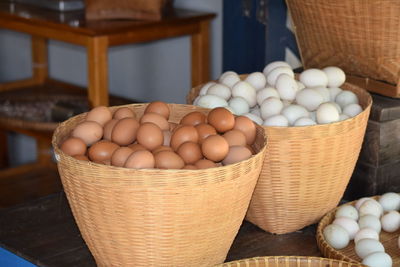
168 160
235 138
102 151
89 131
136 147
100 114
190 152
124 112
194 118
108 127
251 149
73 146
161 148
120 155
150 136
155 118
215 148
158 107
125 131
205 164
81 157
184 134
142 159
189 167
247 126
204 130
221 119
236 154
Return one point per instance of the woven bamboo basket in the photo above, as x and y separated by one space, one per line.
361 37
306 169
389 241
153 217
289 261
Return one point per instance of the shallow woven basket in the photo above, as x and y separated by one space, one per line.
153 217
389 241
306 169
361 37
289 261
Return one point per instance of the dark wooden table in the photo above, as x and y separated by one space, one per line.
44 232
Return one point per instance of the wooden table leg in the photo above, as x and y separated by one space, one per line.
201 55
44 151
39 59
3 150
97 53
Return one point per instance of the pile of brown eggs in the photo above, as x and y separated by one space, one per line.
199 141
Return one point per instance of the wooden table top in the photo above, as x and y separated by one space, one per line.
44 232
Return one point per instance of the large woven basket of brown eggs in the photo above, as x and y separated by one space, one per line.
159 184
315 123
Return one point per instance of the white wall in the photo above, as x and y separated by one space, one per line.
145 72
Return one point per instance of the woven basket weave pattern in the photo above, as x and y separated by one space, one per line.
156 217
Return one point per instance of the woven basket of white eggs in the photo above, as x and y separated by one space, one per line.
315 124
364 231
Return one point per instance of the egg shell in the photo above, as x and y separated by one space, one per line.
270 107
108 128
124 112
205 164
350 225
256 119
150 136
391 221
235 138
239 105
211 101
309 98
327 113
73 146
141 159
245 90
204 130
366 233
220 90
360 201
120 155
215 148
189 167
265 93
366 246
185 133
352 110
190 152
286 87
294 112
304 121
159 107
227 73
155 118
125 131
168 160
100 114
136 147
333 92
324 92
336 236
204 88
247 126
221 119
390 201
236 154
276 121
81 157
348 211
273 75
371 206
161 148
313 77
336 76
194 118
89 131
102 151
343 117
274 64
257 80
229 79
345 98
370 221
378 259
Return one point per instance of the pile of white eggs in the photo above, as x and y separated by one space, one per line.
363 224
275 98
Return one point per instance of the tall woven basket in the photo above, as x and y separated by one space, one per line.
153 217
361 37
306 169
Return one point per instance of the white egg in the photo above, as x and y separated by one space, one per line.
286 103
245 90
370 221
366 233
370 206
360 202
390 201
378 259
294 112
327 113
229 79
333 92
256 111
366 246
196 100
254 118
336 236
339 109
239 105
273 74
230 109
343 117
276 120
211 101
391 221
271 106
220 90
309 98
352 110
300 85
348 211
324 92
304 121
257 80
350 225
286 87
313 116
204 88
345 98
312 78
226 73
272 65
336 76
265 93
